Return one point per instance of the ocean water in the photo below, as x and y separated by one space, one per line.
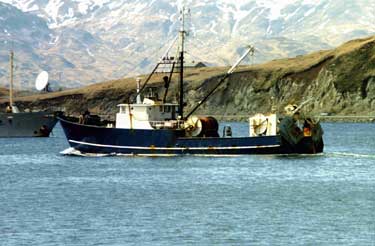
50 199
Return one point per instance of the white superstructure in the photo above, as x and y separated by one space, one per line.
147 115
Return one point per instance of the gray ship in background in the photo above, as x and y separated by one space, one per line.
14 123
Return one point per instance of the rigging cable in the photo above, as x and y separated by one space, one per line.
230 71
155 68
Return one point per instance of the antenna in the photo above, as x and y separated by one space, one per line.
41 82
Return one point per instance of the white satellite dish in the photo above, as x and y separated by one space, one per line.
41 81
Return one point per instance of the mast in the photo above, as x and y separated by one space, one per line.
138 98
11 79
181 82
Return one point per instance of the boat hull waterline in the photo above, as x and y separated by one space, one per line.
101 140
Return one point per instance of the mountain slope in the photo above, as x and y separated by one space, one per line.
25 33
64 53
96 40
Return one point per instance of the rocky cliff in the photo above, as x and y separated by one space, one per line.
340 81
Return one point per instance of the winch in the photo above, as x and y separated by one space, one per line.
196 126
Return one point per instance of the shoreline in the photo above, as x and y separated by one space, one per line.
324 119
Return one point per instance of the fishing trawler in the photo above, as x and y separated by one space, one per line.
14 123
150 126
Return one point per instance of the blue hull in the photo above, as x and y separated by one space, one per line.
101 140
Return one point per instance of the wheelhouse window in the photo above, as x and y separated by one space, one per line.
122 110
167 109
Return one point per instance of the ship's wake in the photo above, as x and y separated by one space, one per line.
348 154
74 152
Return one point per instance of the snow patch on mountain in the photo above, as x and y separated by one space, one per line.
107 38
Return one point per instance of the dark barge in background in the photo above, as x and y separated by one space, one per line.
14 123
153 127
28 124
